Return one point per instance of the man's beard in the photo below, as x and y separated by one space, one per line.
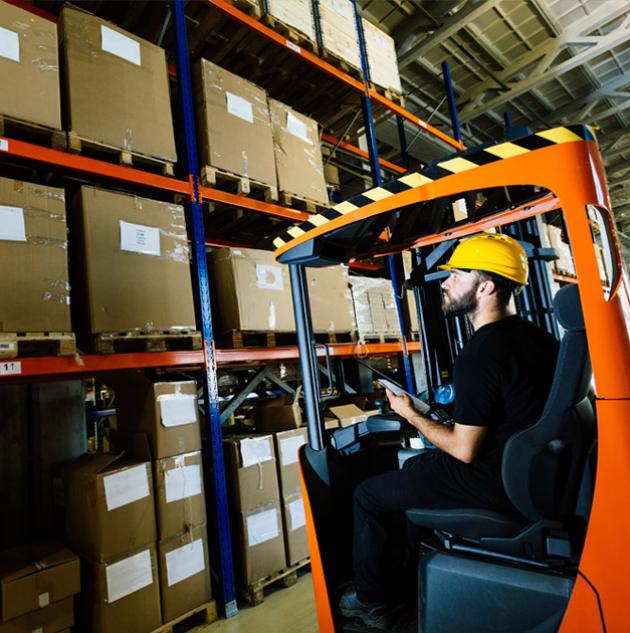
465 304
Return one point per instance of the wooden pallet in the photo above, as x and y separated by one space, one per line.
128 158
290 32
196 619
251 7
122 342
340 63
379 338
254 593
30 344
32 132
239 339
301 203
237 183
392 95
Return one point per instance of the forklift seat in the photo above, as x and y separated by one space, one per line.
542 466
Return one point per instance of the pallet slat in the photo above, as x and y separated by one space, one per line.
31 344
238 339
129 342
202 615
32 132
237 183
254 593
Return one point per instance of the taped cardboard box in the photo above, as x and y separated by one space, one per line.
277 414
29 67
179 494
55 618
349 414
297 14
382 59
36 575
294 525
234 124
109 506
260 542
251 468
330 299
374 306
33 258
298 153
254 291
133 258
116 86
184 573
123 595
166 412
339 30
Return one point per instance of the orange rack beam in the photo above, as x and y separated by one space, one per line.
361 152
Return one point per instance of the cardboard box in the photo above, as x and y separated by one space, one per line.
254 291
179 494
297 14
374 306
251 467
29 67
339 30
331 172
167 413
234 124
134 261
36 575
116 86
109 506
55 618
184 573
349 414
298 153
330 299
382 59
294 525
277 414
33 258
259 544
123 595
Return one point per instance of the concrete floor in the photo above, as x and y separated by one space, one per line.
285 610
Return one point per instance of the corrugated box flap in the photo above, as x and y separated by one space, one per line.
344 411
29 559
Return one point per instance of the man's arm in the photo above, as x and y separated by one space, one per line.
459 440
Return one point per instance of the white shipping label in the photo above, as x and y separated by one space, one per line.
182 482
4 145
294 47
178 409
289 449
343 8
255 451
269 277
13 368
296 512
126 486
12 226
297 127
120 45
9 44
262 526
138 238
184 562
128 576
239 107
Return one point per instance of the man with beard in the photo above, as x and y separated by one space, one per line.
502 379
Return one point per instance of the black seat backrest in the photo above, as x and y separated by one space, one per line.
543 465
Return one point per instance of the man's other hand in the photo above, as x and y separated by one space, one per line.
401 404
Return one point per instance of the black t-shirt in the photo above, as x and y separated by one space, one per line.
502 379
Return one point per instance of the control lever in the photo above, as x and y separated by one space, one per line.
382 404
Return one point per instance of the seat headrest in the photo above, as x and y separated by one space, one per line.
568 309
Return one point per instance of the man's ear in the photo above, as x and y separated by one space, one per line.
487 287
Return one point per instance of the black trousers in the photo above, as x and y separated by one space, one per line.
422 483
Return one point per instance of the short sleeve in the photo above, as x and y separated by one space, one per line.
477 390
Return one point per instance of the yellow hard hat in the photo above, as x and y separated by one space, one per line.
493 253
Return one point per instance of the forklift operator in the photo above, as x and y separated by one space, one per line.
502 379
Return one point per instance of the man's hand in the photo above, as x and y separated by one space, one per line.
401 404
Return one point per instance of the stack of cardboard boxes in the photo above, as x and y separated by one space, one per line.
374 307
339 30
38 582
295 14
381 57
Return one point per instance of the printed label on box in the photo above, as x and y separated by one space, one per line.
182 482
9 45
255 451
297 127
185 562
262 526
128 575
289 449
296 512
239 107
138 238
12 226
126 486
178 409
120 45
269 277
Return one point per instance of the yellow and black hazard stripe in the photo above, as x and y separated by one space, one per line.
462 161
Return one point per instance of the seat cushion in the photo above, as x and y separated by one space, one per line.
468 523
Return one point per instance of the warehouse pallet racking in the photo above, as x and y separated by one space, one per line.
340 87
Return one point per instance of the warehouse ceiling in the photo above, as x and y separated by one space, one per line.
545 62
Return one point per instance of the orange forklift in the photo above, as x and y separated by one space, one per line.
559 564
